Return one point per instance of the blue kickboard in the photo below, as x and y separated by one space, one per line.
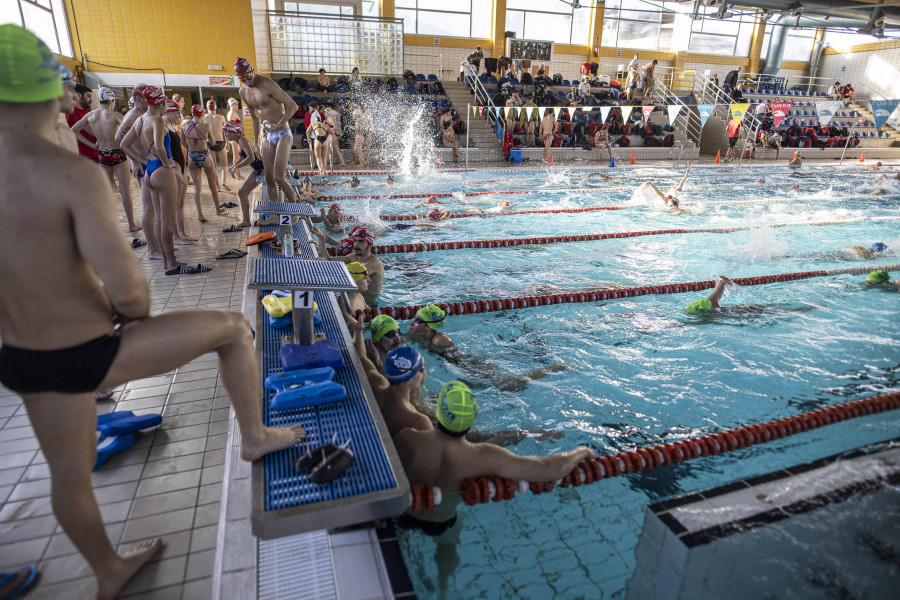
107 446
326 353
293 379
313 394
112 416
128 424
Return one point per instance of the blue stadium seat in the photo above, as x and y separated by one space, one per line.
311 87
567 83
514 81
420 77
492 79
432 77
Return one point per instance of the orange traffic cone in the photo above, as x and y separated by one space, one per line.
863 157
718 155
550 160
632 157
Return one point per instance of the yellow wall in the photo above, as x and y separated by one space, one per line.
178 37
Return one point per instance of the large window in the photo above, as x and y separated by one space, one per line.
723 37
459 18
798 45
44 18
359 8
848 39
546 20
638 24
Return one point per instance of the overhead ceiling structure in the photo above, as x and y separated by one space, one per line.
872 17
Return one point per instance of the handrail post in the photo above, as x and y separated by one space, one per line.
468 132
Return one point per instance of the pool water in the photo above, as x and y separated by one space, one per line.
640 371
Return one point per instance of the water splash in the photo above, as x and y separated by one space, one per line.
762 246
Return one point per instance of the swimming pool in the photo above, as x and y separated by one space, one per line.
639 370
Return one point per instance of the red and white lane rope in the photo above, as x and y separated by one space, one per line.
485 489
486 306
511 242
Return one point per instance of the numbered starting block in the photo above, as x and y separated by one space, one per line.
304 388
302 278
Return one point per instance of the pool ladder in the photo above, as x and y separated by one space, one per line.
679 161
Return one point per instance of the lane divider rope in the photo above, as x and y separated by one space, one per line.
500 304
511 242
485 489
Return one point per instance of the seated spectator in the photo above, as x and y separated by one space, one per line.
572 96
835 91
737 95
355 79
847 93
324 82
585 88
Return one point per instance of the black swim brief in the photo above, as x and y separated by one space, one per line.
432 528
732 141
76 370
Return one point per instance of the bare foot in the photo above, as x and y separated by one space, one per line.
274 438
201 218
184 240
175 265
244 224
133 228
240 177
153 256
101 395
221 213
110 585
227 189
190 182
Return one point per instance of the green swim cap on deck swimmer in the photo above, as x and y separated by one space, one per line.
700 307
29 72
381 325
432 316
878 276
456 407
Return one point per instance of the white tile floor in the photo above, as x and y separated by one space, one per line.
169 484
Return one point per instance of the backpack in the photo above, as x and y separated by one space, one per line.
526 79
557 79
557 140
669 140
299 84
624 141
565 127
459 127
626 129
592 128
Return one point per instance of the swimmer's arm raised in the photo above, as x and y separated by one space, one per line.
99 241
378 382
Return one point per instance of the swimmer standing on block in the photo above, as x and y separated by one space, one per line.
75 334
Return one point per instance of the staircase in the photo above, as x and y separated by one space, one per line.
867 113
481 132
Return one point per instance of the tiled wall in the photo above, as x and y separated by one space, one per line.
878 69
165 34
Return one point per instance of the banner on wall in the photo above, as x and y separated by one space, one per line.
556 112
674 109
826 110
647 109
626 112
604 112
737 112
779 111
882 110
528 110
705 111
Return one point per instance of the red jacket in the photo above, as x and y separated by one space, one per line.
83 149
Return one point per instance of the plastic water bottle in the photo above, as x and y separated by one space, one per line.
287 245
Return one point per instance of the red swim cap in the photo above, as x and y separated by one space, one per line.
153 95
336 208
795 187
505 203
232 127
197 110
431 199
435 214
669 196
211 104
172 107
242 67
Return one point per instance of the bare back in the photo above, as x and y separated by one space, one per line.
51 296
104 126
196 134
215 122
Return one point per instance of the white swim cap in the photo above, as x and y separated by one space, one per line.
232 101
105 94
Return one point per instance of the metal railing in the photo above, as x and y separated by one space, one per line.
685 116
424 63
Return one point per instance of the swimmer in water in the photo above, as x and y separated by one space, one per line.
875 167
703 307
669 201
389 180
601 175
796 160
881 279
871 252
360 275
680 185
884 177
433 217
879 192
501 206
385 337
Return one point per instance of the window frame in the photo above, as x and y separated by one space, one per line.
59 24
571 13
415 30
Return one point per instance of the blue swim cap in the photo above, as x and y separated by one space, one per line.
401 364
878 247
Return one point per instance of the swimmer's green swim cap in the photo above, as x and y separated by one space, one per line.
29 72
456 407
700 307
432 316
878 276
382 324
